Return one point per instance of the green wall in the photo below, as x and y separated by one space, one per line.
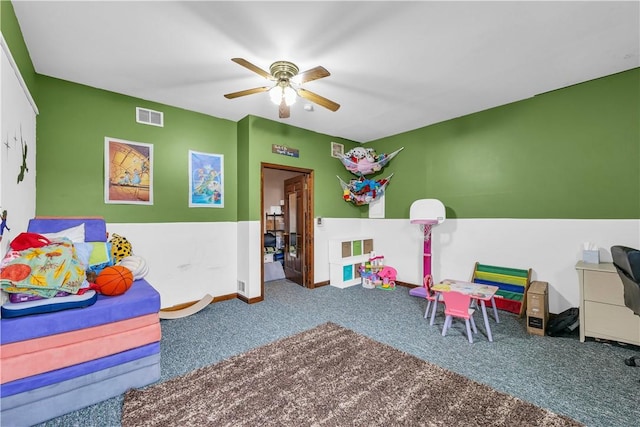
244 201
571 153
73 122
71 134
314 153
13 36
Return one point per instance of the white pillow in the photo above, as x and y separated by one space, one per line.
83 252
75 234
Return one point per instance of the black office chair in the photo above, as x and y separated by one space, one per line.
627 262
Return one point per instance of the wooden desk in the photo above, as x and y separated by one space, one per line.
477 291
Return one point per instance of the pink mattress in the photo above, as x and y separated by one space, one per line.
60 340
49 359
24 385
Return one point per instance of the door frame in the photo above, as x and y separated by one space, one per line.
309 222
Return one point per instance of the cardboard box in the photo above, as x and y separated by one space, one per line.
538 298
536 325
537 307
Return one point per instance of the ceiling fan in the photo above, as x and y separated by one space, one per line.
287 85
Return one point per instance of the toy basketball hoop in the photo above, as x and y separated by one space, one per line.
425 227
427 213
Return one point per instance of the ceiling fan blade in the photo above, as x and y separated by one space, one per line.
284 112
314 97
312 74
247 92
254 68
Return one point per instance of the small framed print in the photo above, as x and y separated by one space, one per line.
337 150
206 180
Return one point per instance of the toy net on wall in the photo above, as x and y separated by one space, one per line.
362 191
364 161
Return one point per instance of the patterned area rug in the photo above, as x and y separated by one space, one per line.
328 376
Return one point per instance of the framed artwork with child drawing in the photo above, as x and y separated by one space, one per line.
128 172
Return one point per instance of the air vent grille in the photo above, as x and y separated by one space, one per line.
241 286
149 117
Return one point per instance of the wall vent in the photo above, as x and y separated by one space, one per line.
149 117
241 286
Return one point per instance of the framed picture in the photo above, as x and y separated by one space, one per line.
337 150
128 172
206 180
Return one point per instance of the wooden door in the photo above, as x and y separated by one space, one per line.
296 223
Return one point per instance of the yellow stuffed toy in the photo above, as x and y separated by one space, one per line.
120 248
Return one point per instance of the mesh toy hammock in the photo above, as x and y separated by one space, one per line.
362 191
365 166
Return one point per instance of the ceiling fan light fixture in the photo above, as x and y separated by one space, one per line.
275 94
290 95
278 92
287 85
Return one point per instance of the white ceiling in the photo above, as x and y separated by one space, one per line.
395 66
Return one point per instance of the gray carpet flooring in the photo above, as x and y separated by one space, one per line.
586 381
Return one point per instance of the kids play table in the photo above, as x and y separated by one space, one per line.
478 292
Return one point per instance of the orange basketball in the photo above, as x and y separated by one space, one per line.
114 280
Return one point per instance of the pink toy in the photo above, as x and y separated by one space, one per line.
427 213
388 276
377 261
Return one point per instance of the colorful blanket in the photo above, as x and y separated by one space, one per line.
44 271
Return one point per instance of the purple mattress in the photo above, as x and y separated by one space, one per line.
139 300
45 403
95 229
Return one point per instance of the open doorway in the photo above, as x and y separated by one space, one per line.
287 224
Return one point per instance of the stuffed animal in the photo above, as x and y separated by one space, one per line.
371 155
356 154
120 248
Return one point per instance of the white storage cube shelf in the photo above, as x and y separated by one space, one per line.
345 257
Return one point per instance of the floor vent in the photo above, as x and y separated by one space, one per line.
149 117
241 286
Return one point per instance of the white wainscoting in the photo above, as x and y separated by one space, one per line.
188 260
550 247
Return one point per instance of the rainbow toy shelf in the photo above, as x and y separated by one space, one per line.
345 257
513 284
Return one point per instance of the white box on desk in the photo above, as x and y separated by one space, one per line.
591 256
